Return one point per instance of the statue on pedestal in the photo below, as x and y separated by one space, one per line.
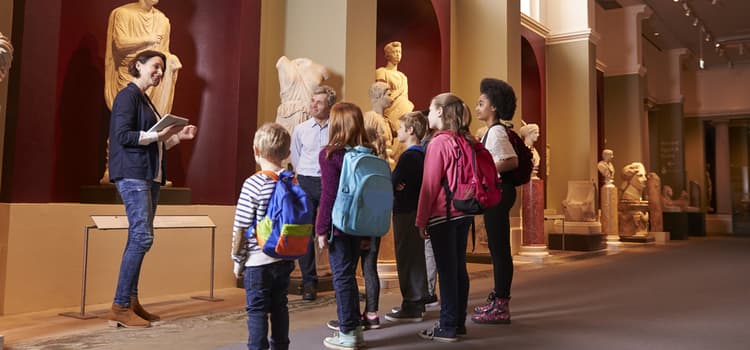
380 98
133 28
530 133
6 56
634 217
655 204
605 167
297 80
398 85
608 194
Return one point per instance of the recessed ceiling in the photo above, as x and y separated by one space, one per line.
699 25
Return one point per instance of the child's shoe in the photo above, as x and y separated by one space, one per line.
345 341
368 322
499 314
439 334
486 307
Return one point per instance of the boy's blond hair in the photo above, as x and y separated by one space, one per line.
416 121
272 141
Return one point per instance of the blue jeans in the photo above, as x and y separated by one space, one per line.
266 293
139 197
449 244
311 186
369 261
342 255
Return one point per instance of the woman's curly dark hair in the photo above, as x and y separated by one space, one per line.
501 96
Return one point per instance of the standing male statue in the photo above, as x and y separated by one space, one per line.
398 86
133 28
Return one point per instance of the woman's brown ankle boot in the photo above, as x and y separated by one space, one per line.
140 311
124 316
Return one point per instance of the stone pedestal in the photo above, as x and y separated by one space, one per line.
608 200
532 218
108 194
633 220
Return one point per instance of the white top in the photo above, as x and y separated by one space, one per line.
497 142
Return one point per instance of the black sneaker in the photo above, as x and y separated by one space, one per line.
431 301
439 334
369 323
404 316
310 293
461 331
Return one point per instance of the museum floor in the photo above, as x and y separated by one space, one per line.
682 295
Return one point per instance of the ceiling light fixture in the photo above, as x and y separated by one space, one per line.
695 22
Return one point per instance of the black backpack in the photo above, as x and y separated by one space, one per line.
522 174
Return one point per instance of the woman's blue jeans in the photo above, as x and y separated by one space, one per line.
139 197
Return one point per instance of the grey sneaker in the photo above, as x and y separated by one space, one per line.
439 334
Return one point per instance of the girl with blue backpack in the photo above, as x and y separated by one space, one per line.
346 128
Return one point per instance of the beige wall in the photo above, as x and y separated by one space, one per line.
44 246
486 44
717 91
624 126
571 117
272 40
339 34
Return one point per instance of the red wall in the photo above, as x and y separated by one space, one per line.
533 75
423 28
57 122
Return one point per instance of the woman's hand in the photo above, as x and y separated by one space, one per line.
322 241
188 132
423 233
167 132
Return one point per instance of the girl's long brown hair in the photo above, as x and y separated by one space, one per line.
346 127
456 114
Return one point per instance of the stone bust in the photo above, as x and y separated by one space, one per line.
530 134
605 167
634 181
380 99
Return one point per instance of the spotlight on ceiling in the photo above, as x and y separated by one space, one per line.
708 37
695 22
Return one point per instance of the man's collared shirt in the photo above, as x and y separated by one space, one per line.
308 139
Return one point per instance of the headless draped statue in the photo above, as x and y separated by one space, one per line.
6 56
297 80
133 28
397 83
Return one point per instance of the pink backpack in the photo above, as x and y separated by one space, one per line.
477 186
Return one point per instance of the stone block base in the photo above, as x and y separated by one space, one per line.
579 227
661 237
676 223
576 241
638 239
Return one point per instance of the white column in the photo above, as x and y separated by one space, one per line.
722 183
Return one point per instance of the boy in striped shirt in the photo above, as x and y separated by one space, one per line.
266 279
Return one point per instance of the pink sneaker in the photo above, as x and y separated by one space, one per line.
499 314
486 307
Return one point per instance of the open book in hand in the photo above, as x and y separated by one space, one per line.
168 120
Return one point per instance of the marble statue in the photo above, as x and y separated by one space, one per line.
6 56
634 181
605 167
133 28
297 80
380 98
398 85
579 204
655 204
530 133
633 210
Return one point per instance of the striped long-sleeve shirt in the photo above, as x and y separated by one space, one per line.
251 209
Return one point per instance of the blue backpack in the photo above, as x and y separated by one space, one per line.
284 232
364 201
